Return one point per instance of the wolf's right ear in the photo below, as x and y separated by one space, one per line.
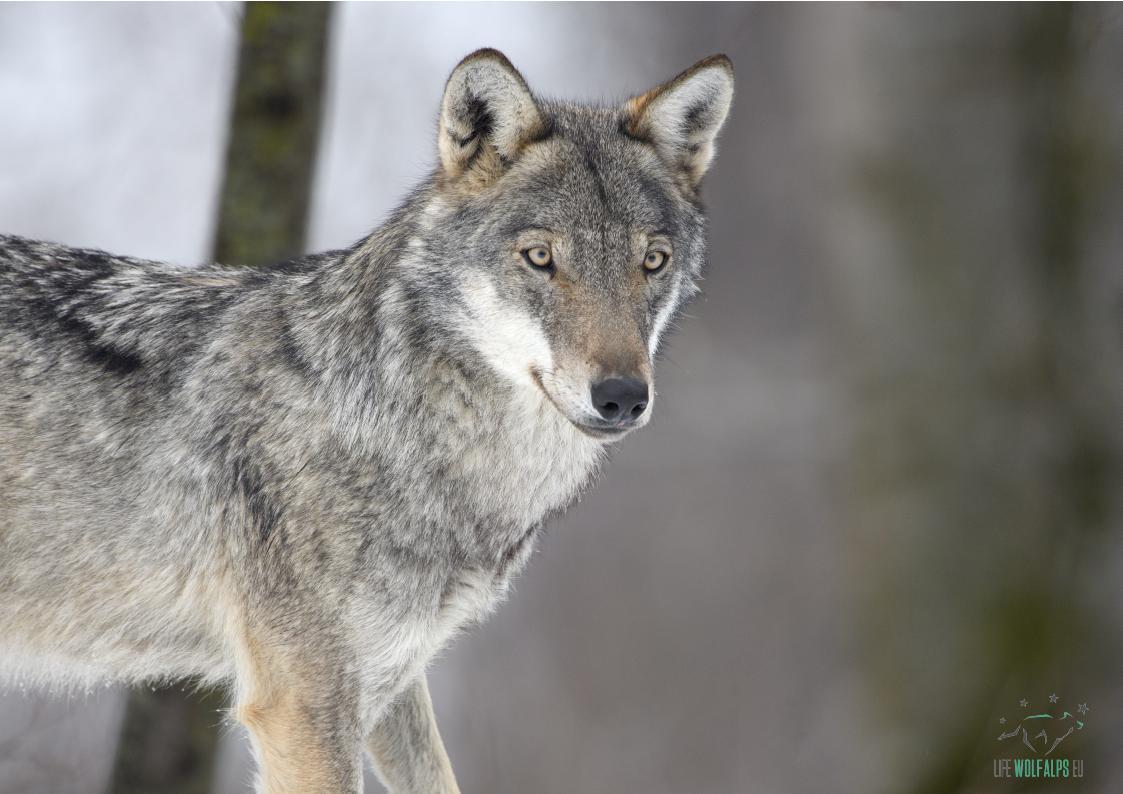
682 118
487 115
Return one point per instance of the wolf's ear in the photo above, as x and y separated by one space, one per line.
682 117
487 115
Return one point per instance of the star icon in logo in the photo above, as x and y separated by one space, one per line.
1083 708
1053 698
1023 703
1001 720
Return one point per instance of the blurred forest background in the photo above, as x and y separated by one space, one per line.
880 501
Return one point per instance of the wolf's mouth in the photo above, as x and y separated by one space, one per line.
536 376
599 432
602 433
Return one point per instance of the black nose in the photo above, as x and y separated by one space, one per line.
620 400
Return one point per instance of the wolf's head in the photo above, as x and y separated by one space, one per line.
568 235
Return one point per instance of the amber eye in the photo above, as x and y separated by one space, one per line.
654 261
539 256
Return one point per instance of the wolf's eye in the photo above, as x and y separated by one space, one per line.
539 256
654 261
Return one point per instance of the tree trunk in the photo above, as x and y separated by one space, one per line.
982 469
263 217
169 737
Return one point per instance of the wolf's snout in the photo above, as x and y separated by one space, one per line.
620 401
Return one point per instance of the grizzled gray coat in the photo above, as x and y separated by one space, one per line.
300 482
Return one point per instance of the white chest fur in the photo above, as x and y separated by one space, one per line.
469 598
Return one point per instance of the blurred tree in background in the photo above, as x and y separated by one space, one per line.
984 462
169 736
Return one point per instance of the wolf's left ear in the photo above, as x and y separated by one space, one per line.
683 117
487 115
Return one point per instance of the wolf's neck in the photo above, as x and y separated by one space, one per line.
492 459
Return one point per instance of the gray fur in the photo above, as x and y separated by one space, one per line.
301 482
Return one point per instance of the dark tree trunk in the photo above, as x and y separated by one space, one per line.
983 464
169 736
273 135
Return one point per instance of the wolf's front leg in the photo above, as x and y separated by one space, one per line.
303 719
406 746
301 748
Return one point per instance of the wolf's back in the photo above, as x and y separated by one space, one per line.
95 352
103 492
107 316
83 363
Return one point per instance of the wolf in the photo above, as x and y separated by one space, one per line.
300 482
